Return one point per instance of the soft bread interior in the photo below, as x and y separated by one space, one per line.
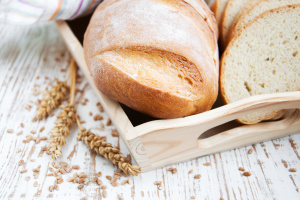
261 62
158 69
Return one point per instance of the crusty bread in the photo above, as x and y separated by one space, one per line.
257 9
244 9
231 10
156 56
263 58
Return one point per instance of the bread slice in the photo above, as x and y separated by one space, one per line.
244 9
263 58
257 9
218 8
231 10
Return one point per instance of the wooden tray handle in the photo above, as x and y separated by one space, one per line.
164 142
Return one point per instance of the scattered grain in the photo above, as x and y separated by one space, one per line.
108 122
20 133
25 141
193 197
86 182
100 108
44 138
51 188
120 197
27 178
99 174
69 169
56 187
197 176
221 198
90 113
247 174
23 171
82 175
71 179
115 184
191 171
250 151
50 174
41 129
56 166
114 133
103 187
241 169
21 162
123 182
108 177
33 132
22 125
104 193
75 167
35 184
80 186
207 164
98 117
99 182
293 170
28 107
10 130
59 181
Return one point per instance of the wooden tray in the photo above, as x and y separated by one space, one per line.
156 143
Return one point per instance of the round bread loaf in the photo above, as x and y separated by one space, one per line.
159 57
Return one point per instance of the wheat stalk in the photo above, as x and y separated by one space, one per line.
64 120
52 99
105 149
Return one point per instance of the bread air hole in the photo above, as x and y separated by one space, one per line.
295 53
186 79
247 86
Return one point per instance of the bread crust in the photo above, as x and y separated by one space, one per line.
150 25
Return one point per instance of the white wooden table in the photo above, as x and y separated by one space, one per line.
31 57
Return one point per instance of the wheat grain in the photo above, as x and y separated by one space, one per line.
107 151
52 99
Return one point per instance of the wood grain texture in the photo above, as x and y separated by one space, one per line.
28 52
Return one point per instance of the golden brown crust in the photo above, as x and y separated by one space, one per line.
146 24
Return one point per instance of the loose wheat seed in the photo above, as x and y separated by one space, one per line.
104 193
241 169
193 197
35 184
108 177
10 130
293 170
22 125
197 176
250 151
76 167
103 187
20 133
191 171
207 164
21 162
247 174
51 188
23 171
108 122
80 186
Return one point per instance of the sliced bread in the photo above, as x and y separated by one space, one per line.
231 10
245 8
263 58
257 9
218 8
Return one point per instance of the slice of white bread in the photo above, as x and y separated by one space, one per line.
245 8
231 10
263 58
218 7
256 10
